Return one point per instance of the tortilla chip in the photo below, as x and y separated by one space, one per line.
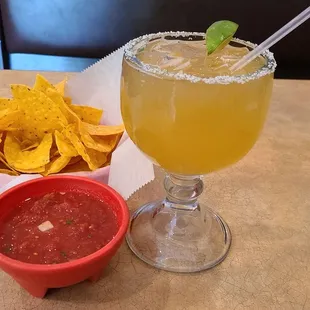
42 84
27 145
104 144
68 100
103 130
40 115
9 119
36 170
60 87
56 165
90 157
74 160
81 165
54 153
59 101
8 103
5 164
98 159
27 160
9 172
109 157
64 146
87 114
5 167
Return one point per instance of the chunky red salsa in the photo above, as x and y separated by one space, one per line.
57 228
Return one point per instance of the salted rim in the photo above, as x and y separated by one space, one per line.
130 55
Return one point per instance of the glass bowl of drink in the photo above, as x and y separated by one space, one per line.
191 116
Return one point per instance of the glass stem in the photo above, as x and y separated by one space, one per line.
183 191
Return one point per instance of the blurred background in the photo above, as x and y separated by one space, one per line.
70 35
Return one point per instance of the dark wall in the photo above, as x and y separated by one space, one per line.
1 46
93 28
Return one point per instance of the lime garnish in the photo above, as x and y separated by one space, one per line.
219 34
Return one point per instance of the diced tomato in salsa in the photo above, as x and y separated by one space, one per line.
81 225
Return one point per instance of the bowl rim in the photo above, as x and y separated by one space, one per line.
43 268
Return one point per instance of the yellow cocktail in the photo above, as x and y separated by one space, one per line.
191 116
193 128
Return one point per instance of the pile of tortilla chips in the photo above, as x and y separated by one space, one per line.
41 131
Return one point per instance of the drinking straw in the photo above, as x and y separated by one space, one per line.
277 36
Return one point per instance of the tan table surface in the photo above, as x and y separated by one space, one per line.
265 199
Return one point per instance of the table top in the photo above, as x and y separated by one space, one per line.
265 199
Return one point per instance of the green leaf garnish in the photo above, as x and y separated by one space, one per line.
219 34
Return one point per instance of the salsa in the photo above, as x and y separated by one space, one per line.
57 228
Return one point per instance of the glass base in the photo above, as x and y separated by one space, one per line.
178 240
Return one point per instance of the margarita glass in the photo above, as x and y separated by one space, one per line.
190 115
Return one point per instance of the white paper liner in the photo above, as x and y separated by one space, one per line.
99 87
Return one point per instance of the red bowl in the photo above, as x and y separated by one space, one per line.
35 278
